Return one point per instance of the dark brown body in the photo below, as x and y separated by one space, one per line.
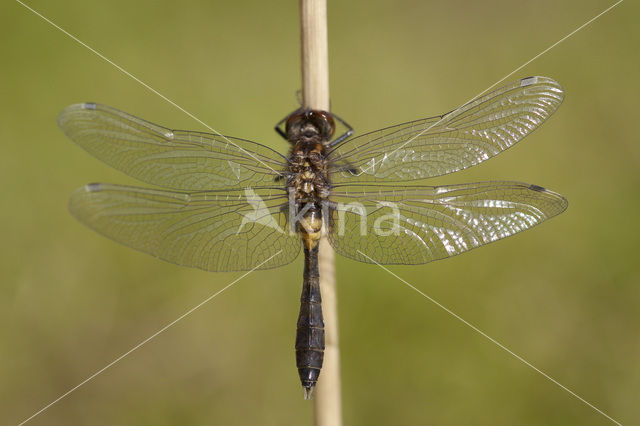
308 187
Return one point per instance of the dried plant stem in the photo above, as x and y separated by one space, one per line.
315 93
315 56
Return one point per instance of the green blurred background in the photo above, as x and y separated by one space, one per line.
565 295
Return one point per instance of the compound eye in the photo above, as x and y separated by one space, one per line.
294 122
325 124
294 119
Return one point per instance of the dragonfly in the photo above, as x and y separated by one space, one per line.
229 204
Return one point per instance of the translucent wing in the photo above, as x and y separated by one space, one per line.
176 159
419 224
210 230
451 142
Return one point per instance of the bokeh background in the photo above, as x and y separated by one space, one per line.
565 295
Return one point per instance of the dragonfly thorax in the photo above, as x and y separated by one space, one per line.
308 181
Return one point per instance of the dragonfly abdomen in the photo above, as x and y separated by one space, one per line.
310 330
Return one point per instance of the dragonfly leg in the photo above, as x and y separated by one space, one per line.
343 136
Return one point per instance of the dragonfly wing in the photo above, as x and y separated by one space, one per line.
454 141
414 225
210 230
176 159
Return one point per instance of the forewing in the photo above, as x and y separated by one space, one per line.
415 225
439 145
214 231
176 159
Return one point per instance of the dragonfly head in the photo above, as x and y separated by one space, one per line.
310 124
